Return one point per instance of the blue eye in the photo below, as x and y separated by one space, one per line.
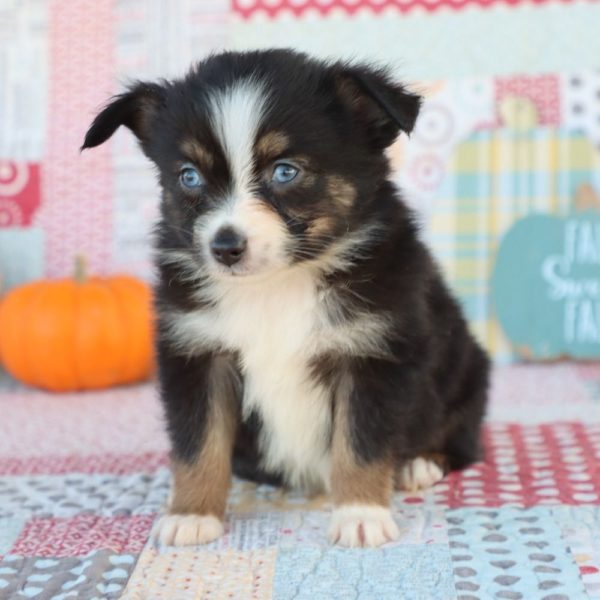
284 173
190 178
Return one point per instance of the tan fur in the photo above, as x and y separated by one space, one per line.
148 107
281 499
271 145
197 153
441 460
350 92
168 199
202 487
321 225
308 179
341 191
352 482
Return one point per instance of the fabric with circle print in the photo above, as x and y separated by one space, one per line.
19 192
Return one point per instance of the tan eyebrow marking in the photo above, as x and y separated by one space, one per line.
196 152
272 144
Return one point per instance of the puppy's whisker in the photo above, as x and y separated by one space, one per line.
181 229
320 236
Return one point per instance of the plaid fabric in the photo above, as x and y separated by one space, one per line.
493 179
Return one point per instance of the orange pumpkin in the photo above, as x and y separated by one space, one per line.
0 330
78 334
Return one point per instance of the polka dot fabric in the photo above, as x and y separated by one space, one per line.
581 110
532 466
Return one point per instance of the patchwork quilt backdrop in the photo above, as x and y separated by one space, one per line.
510 127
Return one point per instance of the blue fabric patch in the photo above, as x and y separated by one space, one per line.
418 572
21 255
512 553
9 532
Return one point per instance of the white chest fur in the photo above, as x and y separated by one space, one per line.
277 326
276 333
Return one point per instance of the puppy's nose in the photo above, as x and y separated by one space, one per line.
228 246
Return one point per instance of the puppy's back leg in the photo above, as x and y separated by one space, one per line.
462 445
421 472
459 444
201 400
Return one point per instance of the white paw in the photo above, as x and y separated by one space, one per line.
362 525
187 530
419 474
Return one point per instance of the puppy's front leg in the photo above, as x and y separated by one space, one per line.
361 489
201 401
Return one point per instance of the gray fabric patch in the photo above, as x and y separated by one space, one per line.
99 575
43 496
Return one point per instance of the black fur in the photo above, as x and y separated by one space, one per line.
427 391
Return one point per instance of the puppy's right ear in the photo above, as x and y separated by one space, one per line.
135 109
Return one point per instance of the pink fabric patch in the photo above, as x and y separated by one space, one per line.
518 388
19 192
77 189
530 466
114 464
588 371
542 90
125 420
82 534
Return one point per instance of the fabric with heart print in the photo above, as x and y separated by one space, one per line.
98 574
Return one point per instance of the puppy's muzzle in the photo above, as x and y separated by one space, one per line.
228 246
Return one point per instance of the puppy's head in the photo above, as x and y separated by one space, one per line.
267 159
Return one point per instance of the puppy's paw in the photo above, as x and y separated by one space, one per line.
419 474
362 525
187 530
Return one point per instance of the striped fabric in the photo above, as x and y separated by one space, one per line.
494 178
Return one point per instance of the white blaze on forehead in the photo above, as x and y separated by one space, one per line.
236 114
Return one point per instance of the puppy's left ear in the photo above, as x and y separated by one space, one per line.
135 109
383 105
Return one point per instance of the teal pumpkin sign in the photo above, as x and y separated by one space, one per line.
546 286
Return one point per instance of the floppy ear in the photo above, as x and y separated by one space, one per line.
135 109
383 105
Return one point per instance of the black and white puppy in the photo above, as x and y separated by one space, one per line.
305 335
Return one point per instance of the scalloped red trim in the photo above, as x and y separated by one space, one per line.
248 8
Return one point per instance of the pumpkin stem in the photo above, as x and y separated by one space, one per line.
80 274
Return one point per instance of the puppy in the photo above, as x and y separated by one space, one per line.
305 335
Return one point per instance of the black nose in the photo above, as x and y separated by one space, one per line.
228 246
